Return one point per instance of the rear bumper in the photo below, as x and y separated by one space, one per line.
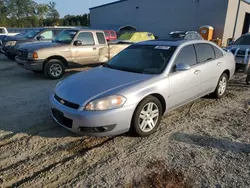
34 65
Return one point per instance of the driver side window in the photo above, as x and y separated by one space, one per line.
86 38
187 55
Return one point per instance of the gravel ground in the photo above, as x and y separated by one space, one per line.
208 146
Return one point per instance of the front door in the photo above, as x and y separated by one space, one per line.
184 85
87 52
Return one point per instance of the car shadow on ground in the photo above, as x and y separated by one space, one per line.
210 142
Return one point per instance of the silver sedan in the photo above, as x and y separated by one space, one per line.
139 85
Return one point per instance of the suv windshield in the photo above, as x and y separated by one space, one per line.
66 36
31 34
145 59
243 40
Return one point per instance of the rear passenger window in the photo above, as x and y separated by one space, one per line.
86 38
218 53
187 55
101 38
205 52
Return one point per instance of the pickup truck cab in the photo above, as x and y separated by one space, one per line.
45 34
70 47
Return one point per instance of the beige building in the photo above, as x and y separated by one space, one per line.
230 18
237 19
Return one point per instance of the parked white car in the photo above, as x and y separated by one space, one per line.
140 84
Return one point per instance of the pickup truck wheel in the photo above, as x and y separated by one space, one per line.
54 69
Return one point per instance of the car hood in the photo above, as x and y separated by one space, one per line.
39 45
85 86
16 38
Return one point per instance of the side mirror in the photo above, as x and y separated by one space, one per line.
182 67
40 38
77 43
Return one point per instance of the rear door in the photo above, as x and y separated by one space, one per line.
210 61
86 53
185 86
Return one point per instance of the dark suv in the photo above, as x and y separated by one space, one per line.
11 43
188 35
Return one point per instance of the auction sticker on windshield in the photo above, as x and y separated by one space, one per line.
162 47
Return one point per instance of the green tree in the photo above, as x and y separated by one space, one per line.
53 14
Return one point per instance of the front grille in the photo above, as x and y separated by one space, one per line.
22 54
240 53
61 119
66 103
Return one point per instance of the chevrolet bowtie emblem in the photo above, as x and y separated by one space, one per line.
62 101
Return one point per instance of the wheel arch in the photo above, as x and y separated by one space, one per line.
60 58
227 72
159 97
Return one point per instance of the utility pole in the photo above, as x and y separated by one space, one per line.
236 20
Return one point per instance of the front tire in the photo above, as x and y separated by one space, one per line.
147 117
221 88
54 69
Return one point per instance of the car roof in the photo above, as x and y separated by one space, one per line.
170 42
166 42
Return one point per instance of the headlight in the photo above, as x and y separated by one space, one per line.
33 55
10 43
106 103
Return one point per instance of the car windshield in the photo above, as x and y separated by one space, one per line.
66 36
144 59
31 34
243 40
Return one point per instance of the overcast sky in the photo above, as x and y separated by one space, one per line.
75 6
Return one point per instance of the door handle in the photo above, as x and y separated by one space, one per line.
219 63
94 48
196 72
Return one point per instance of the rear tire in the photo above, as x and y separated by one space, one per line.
54 69
221 88
147 117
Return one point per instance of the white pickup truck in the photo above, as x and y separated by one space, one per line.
4 31
3 34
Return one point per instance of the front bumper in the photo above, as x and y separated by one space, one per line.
93 123
35 65
9 51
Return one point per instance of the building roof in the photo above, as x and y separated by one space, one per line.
104 5
120 1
